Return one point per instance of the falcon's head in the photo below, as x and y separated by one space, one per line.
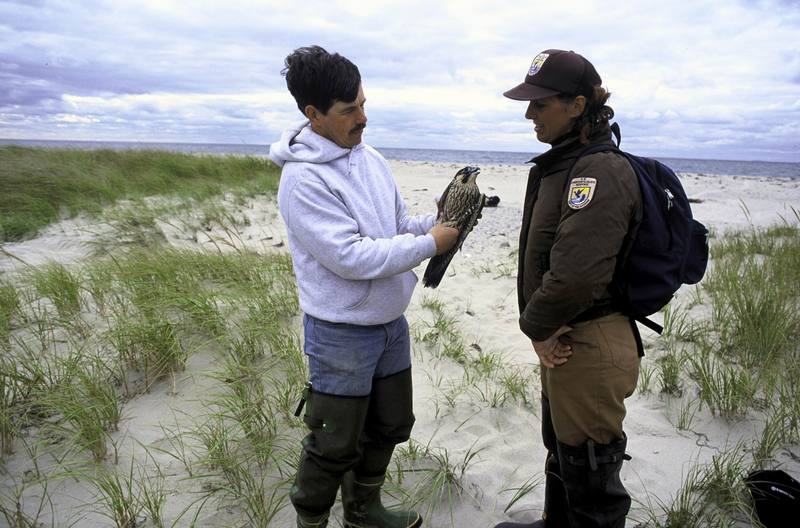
468 174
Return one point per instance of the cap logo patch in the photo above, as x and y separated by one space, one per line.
538 62
581 191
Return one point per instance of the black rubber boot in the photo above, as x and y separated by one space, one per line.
361 500
330 449
595 494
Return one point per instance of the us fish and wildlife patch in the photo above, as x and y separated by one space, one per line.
581 191
538 62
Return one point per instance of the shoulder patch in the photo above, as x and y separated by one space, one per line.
581 191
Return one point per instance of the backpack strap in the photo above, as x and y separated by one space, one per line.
649 323
637 336
593 149
617 132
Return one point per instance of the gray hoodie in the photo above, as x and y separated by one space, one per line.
353 244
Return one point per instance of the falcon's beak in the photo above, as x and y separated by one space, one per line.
468 172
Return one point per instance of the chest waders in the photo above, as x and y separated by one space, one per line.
350 444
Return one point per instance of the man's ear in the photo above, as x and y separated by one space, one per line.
311 112
577 106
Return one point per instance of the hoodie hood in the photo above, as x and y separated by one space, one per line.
301 143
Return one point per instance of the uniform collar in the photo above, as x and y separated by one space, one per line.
568 146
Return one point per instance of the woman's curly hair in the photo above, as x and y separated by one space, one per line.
595 116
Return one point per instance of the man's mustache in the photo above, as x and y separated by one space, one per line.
358 128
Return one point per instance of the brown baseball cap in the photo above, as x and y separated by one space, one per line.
555 72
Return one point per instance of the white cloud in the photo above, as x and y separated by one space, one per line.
683 74
72 118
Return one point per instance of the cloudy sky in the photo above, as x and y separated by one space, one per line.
695 79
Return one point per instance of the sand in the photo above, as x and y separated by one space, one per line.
479 292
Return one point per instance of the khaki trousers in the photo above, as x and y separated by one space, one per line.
587 393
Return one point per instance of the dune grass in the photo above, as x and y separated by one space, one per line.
746 352
80 341
755 322
40 186
17 510
9 308
434 478
160 308
485 379
740 362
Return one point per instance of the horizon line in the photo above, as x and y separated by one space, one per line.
528 152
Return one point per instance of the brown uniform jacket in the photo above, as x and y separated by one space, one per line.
567 256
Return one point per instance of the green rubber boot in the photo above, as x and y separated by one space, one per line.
320 521
361 499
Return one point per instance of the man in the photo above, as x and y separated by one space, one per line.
353 248
577 215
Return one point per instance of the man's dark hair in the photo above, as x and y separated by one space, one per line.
316 77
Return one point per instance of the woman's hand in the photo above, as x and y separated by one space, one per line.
552 352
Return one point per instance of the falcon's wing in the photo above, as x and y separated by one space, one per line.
442 201
466 224
437 266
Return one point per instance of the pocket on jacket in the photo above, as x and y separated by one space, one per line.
361 300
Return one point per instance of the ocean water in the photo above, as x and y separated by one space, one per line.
467 157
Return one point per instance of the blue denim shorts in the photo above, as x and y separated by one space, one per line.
344 358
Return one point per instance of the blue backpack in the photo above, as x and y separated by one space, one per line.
668 248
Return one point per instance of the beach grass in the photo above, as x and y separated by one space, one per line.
86 405
740 362
437 479
153 495
749 348
485 378
119 496
744 353
9 309
40 186
670 367
145 309
19 512
523 490
756 323
61 286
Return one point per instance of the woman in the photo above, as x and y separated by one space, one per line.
577 215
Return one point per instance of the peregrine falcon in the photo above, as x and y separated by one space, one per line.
460 206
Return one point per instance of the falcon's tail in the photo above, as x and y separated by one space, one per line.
436 268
